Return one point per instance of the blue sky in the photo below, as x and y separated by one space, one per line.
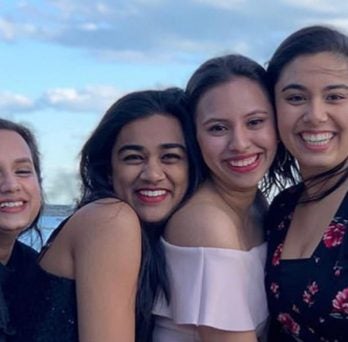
63 62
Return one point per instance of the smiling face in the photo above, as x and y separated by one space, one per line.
312 111
20 194
235 131
150 166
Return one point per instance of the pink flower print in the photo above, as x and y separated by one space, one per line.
275 289
309 293
340 303
307 298
288 323
277 254
334 235
337 270
313 288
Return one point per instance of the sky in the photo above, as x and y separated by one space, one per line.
64 62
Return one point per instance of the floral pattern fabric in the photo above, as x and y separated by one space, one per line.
308 298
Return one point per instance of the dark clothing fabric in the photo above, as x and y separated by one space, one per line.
14 277
308 298
51 314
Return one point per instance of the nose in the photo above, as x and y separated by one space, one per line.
152 172
315 113
239 139
8 183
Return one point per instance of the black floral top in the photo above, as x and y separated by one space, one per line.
308 298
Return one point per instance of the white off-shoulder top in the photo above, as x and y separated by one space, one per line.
215 287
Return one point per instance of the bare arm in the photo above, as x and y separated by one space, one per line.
106 261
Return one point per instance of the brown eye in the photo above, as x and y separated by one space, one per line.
296 99
171 157
24 172
133 158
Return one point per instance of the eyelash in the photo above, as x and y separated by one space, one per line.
255 122
168 157
132 158
295 99
24 172
299 99
217 129
171 157
335 97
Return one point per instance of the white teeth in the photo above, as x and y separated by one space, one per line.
317 139
11 204
152 193
243 162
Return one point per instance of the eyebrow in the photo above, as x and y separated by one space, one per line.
301 87
140 148
23 160
293 86
251 113
337 86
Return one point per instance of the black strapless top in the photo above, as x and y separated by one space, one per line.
15 276
50 307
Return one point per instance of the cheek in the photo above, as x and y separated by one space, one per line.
283 129
121 180
211 151
271 138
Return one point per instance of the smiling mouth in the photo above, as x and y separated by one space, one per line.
244 162
9 204
151 197
317 139
152 193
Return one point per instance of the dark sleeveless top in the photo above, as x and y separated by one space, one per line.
307 298
50 313
14 277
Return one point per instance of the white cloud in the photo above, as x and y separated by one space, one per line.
223 4
341 23
163 30
324 6
14 103
94 99
90 99
7 29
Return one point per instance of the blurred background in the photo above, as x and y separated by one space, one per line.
64 62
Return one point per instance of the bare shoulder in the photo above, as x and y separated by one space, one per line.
109 218
202 223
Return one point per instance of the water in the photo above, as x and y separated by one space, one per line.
47 224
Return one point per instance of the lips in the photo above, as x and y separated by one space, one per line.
11 206
151 196
244 164
318 139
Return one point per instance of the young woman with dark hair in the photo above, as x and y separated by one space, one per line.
20 206
93 285
307 274
214 244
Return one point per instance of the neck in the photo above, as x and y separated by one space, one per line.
6 247
240 200
313 188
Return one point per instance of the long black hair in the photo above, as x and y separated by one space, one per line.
307 41
96 169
